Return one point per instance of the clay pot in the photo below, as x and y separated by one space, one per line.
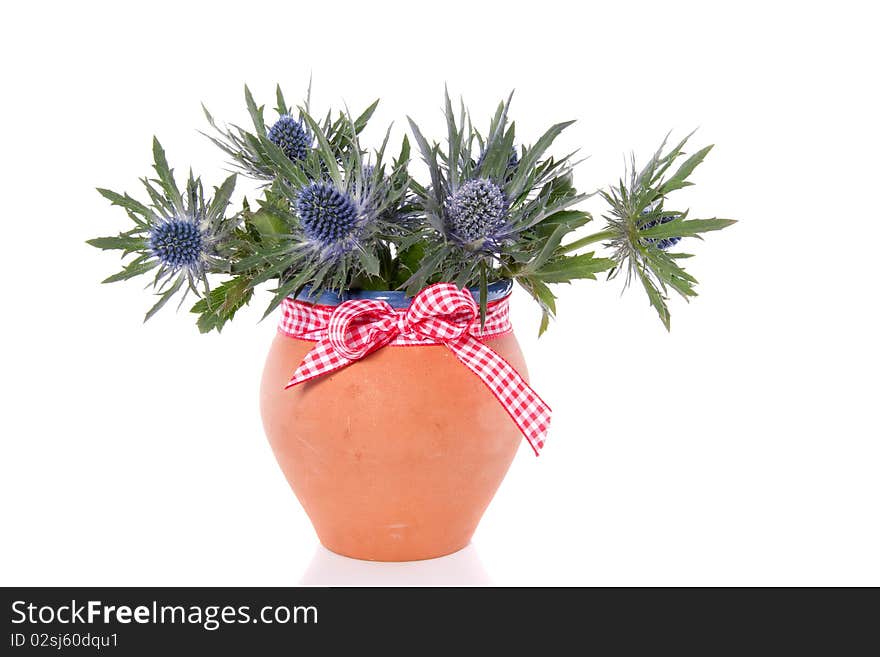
395 457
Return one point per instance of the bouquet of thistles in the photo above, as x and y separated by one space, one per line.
333 215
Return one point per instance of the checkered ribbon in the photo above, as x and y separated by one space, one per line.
439 314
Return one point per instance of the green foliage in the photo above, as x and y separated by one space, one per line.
405 235
252 152
639 220
283 252
222 303
539 193
169 203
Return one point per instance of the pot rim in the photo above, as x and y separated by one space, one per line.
394 298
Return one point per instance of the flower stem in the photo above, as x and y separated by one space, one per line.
589 239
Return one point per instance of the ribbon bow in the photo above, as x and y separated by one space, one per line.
443 314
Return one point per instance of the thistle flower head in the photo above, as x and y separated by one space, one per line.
177 243
663 243
476 212
290 136
328 216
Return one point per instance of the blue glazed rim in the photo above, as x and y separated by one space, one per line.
396 298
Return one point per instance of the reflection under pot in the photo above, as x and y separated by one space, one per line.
462 568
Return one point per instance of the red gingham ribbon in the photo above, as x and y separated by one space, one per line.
439 314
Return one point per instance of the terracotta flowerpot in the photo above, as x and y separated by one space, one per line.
397 456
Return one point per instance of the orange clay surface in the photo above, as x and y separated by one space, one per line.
395 457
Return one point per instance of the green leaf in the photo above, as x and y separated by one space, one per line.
361 122
427 269
497 155
123 242
484 294
548 249
281 165
679 178
572 219
540 292
126 202
404 155
165 296
656 298
665 268
453 136
531 157
281 106
222 194
166 176
222 303
429 155
255 112
685 228
568 268
496 129
545 323
269 225
408 260
545 298
325 151
289 287
369 261
135 268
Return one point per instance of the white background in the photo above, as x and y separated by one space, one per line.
741 448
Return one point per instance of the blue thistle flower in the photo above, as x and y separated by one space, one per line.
177 243
662 243
290 136
477 212
328 216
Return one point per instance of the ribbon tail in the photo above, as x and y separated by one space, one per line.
322 359
528 411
